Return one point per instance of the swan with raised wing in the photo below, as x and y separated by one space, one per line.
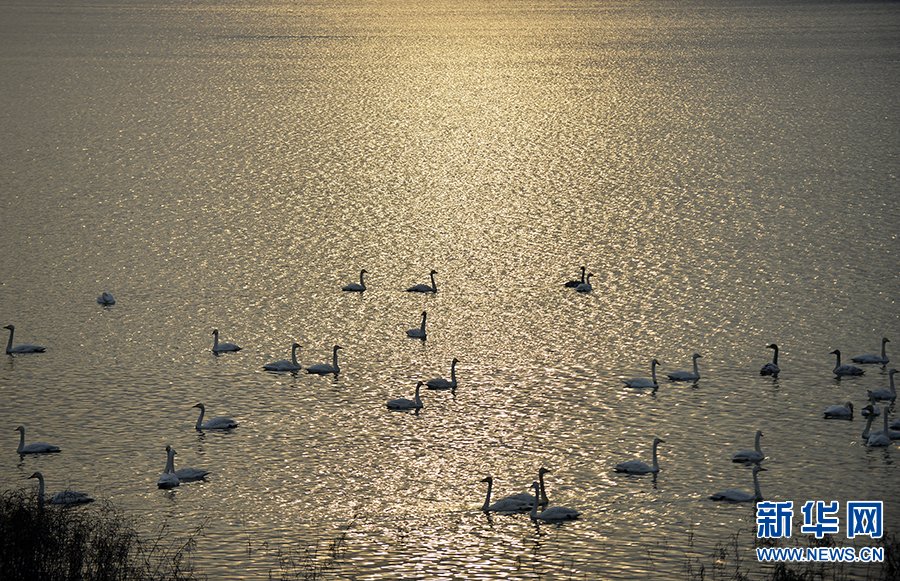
872 358
222 347
844 369
284 364
553 513
771 368
418 333
440 382
220 423
638 467
687 375
575 283
732 495
34 448
356 288
324 368
886 394
407 404
750 455
64 497
424 288
106 299
840 412
643 381
24 348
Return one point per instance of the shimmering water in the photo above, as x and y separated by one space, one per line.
728 173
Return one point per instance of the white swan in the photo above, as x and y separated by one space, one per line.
356 288
886 394
508 504
843 412
732 495
106 299
638 467
407 404
687 375
220 423
440 382
168 479
883 438
25 348
771 368
554 512
185 474
35 448
324 368
586 286
643 381
575 283
418 333
284 364
871 358
529 498
64 497
891 433
750 455
424 288
844 369
222 347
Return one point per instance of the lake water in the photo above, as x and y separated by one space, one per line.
728 174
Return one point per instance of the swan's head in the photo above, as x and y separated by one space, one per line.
885 340
10 327
20 429
759 432
835 352
658 441
869 410
758 468
455 360
488 479
772 346
535 485
336 347
433 272
892 371
364 271
543 471
200 405
37 475
849 405
655 362
696 356
215 332
295 346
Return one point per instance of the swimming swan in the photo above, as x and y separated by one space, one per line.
886 394
643 381
554 512
750 455
284 364
106 299
185 474
732 495
440 382
21 348
64 497
222 347
168 479
844 369
407 404
324 368
771 368
356 288
529 498
892 434
638 467
575 283
424 288
687 375
586 286
418 333
842 412
35 448
870 358
508 504
220 423
883 438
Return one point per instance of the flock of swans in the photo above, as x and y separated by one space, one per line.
522 502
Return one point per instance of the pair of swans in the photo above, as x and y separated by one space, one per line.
771 368
687 375
324 368
883 394
222 347
25 348
407 404
755 455
840 412
440 382
171 478
284 364
419 332
841 370
732 495
64 497
881 437
871 358
583 285
35 448
220 423
356 288
516 502
638 467
643 381
424 288
106 299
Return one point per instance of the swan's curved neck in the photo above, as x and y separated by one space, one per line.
170 463
838 364
417 398
655 457
334 359
865 433
200 419
423 321
653 371
433 284
758 449
215 339
487 500
537 501
21 440
543 490
294 355
9 344
453 374
775 356
894 391
756 485
361 283
696 369
884 349
582 273
886 429
40 478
